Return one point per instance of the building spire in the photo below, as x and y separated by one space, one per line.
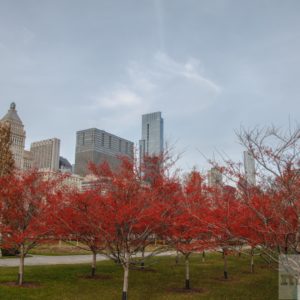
13 106
12 115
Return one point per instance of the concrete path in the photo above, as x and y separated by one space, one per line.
39 260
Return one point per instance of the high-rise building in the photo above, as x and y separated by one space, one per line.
151 143
18 135
96 146
27 160
249 166
214 177
46 154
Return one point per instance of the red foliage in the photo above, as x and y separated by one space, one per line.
79 217
189 229
25 204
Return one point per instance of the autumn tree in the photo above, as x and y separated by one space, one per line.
131 213
78 216
277 157
226 221
25 200
187 229
272 205
6 157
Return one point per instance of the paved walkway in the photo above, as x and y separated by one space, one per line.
39 260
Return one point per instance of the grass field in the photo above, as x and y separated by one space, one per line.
59 248
162 281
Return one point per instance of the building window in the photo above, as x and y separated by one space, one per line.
148 132
109 142
82 138
102 141
120 145
147 142
126 147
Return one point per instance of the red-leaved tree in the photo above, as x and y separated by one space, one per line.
130 213
188 230
26 200
78 216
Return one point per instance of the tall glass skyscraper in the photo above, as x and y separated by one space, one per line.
151 143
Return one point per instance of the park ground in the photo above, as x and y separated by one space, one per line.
163 279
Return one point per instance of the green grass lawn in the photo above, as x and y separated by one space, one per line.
58 249
160 282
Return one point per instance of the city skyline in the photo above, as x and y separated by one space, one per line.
209 67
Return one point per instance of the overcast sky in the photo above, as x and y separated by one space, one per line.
208 66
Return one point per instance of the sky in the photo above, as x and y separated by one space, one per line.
209 66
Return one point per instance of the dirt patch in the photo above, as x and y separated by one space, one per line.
32 285
186 291
97 277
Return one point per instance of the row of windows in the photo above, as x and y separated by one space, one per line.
17 141
93 139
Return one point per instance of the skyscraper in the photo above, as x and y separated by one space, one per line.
18 135
45 154
249 166
214 177
151 143
96 146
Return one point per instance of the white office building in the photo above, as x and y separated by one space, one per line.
249 166
45 154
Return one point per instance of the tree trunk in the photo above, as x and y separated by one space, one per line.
177 257
225 264
203 256
126 277
94 263
21 266
187 272
252 261
143 259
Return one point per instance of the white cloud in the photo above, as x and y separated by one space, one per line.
178 89
188 70
119 99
